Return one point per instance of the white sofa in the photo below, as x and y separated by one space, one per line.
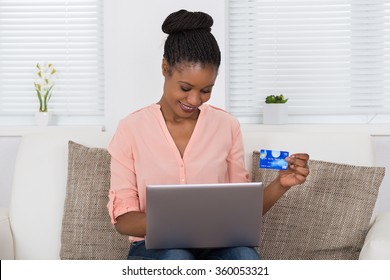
31 228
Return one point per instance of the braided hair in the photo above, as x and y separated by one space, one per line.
190 40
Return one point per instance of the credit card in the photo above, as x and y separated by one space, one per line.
273 159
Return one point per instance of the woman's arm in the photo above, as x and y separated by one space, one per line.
295 175
124 204
132 223
272 193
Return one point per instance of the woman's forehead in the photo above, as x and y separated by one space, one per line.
206 74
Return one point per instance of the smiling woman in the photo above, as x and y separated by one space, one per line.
186 90
183 140
190 66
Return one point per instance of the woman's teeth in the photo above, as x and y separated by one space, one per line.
187 108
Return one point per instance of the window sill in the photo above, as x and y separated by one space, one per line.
20 130
373 129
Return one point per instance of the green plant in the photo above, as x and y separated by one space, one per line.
275 99
44 84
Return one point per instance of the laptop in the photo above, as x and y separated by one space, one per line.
203 215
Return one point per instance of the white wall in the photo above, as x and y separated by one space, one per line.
134 47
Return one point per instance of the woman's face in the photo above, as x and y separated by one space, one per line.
186 87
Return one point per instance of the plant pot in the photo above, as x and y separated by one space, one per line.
42 118
275 113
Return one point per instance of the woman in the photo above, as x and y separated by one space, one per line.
181 139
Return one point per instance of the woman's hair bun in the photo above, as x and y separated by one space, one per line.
184 20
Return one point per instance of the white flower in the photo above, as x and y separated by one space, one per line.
44 84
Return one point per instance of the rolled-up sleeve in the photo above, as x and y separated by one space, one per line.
123 193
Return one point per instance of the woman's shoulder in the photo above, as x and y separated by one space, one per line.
140 115
218 119
219 113
135 121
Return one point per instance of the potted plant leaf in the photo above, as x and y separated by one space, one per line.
275 110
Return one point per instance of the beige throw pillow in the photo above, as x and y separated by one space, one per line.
327 217
87 232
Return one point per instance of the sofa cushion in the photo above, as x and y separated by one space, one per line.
327 217
87 232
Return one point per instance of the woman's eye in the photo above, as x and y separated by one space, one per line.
206 91
185 89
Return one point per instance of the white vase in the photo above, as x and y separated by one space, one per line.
42 118
275 113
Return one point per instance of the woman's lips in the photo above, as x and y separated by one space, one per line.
186 108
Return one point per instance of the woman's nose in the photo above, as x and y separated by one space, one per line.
193 98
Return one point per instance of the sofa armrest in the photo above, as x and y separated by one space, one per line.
377 243
6 240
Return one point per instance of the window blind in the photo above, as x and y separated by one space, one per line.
329 57
68 34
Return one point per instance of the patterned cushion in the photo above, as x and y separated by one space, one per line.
327 217
87 232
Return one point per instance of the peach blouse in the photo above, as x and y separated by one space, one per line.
143 152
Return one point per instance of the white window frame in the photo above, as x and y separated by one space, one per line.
370 103
66 33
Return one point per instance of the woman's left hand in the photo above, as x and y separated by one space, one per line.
297 170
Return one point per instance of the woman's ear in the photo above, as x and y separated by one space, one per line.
164 67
